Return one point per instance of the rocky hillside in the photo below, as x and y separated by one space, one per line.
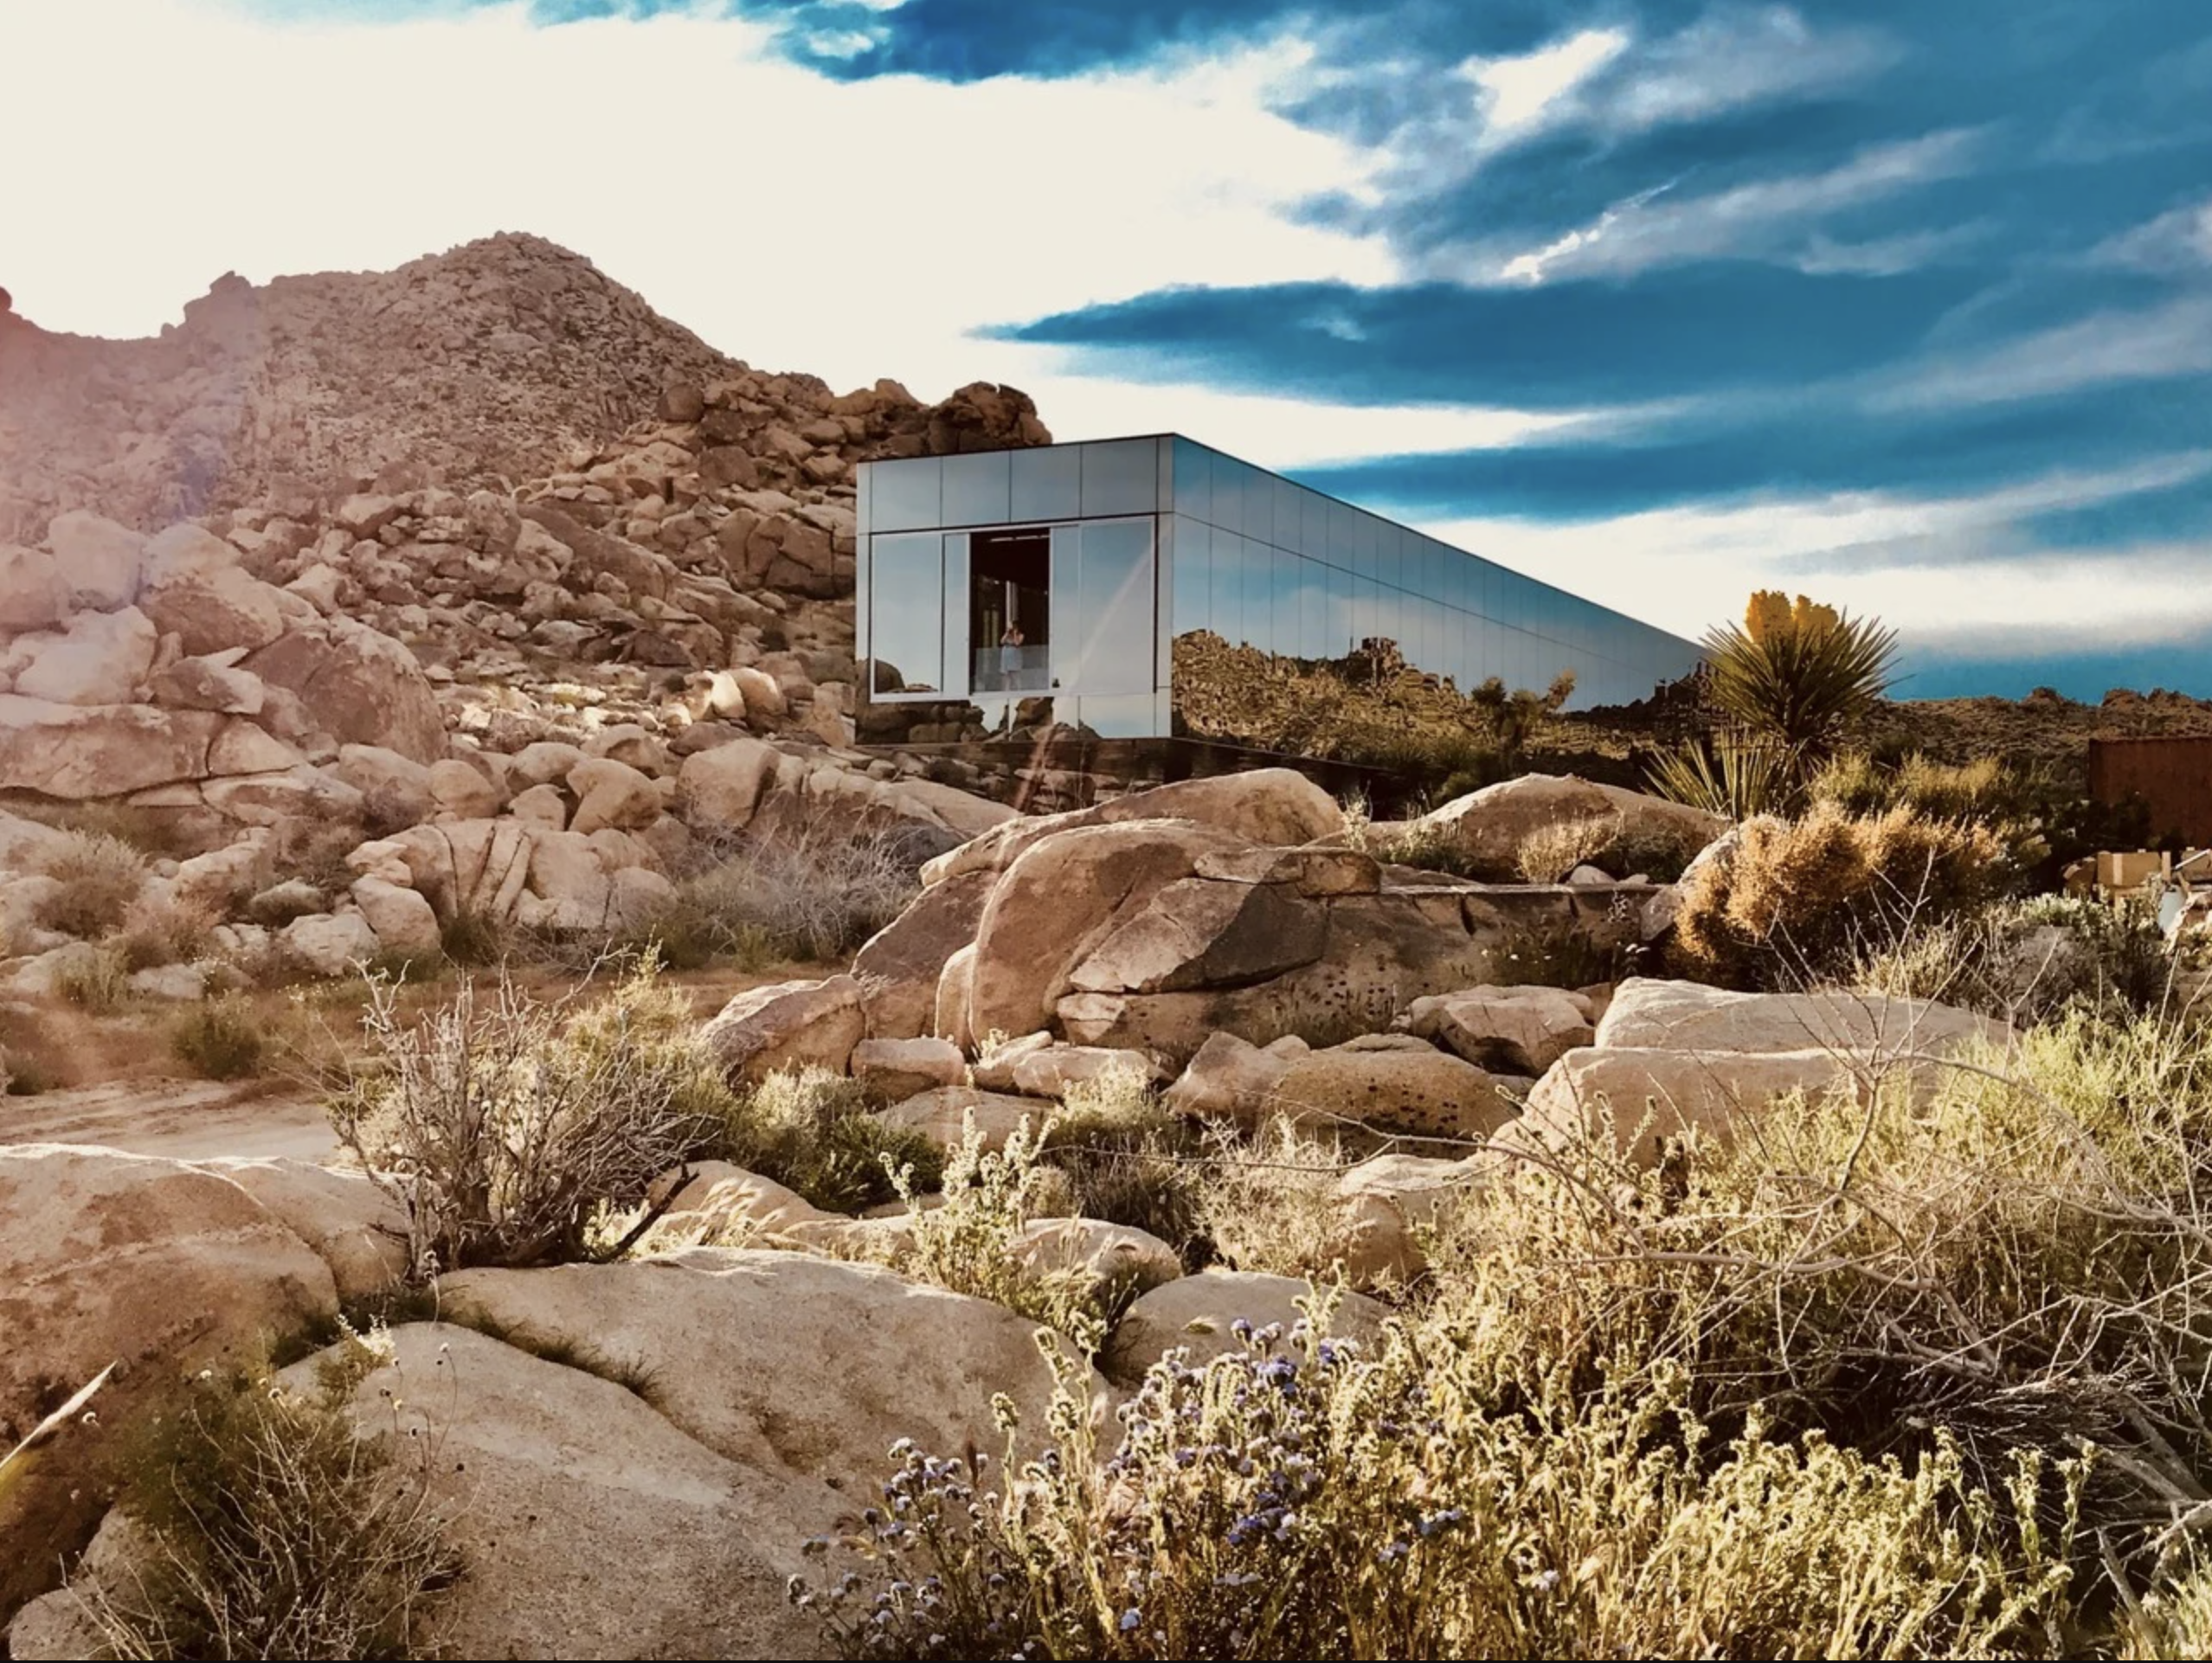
487 364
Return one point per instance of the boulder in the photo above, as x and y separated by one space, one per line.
789 1025
1198 1315
611 794
1388 1201
329 945
542 806
717 1202
1414 1087
944 1114
954 1016
994 1066
958 811
902 964
212 682
403 922
742 1347
353 1227
1230 1079
1050 1071
80 751
1266 805
1061 898
1632 1100
357 685
99 561
540 1466
763 699
32 593
243 747
1647 1013
1510 1030
892 1069
100 658
722 788
291 796
463 790
1485 828
395 789
547 763
1118 1255
149 1264
1203 932
476 868
214 608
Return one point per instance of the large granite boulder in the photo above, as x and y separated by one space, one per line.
1485 828
1647 1013
787 1026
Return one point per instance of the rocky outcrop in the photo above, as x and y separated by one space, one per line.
1516 1029
786 1027
1648 1013
1198 1316
1486 829
156 1267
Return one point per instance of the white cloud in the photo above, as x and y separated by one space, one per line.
853 230
1763 217
1516 95
2154 343
1947 570
2179 242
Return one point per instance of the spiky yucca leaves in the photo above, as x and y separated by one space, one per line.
1797 676
1729 776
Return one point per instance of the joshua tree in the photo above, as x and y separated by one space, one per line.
1798 675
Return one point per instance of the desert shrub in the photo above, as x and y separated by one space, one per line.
1855 782
1730 776
811 1132
1563 953
1808 898
1796 676
1443 1498
2173 1621
153 834
1128 1161
970 1244
218 1040
96 978
163 931
809 888
1548 854
99 876
501 1123
1270 1205
272 1530
474 940
2029 962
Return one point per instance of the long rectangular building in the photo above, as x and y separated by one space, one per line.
1097 576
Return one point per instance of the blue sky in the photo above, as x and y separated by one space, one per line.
1906 305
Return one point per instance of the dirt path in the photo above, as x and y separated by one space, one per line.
185 1120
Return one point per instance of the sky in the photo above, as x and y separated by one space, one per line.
1905 305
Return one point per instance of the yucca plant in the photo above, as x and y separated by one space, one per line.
1731 775
1797 675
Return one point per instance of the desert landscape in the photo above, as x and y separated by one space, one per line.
530 1131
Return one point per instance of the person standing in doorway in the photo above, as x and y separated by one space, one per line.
1010 646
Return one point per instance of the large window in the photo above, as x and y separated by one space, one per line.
906 613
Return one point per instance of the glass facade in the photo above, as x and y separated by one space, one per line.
1097 584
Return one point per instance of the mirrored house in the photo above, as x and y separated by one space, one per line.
1100 585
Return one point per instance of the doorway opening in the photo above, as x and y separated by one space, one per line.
1010 610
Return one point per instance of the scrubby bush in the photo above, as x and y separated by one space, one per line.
218 1040
1728 774
2029 962
1270 1205
95 978
1443 1498
971 1244
268 1528
813 1133
98 876
1128 1161
811 889
500 1123
163 931
1608 842
1808 898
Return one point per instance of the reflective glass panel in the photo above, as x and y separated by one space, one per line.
1046 483
1194 479
1194 579
1116 610
1365 535
1120 477
904 494
906 604
978 489
1312 610
1290 518
1313 528
1065 654
1228 511
1259 505
1226 610
1282 579
1340 639
954 607
1390 541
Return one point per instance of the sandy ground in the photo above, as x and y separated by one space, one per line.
185 1120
